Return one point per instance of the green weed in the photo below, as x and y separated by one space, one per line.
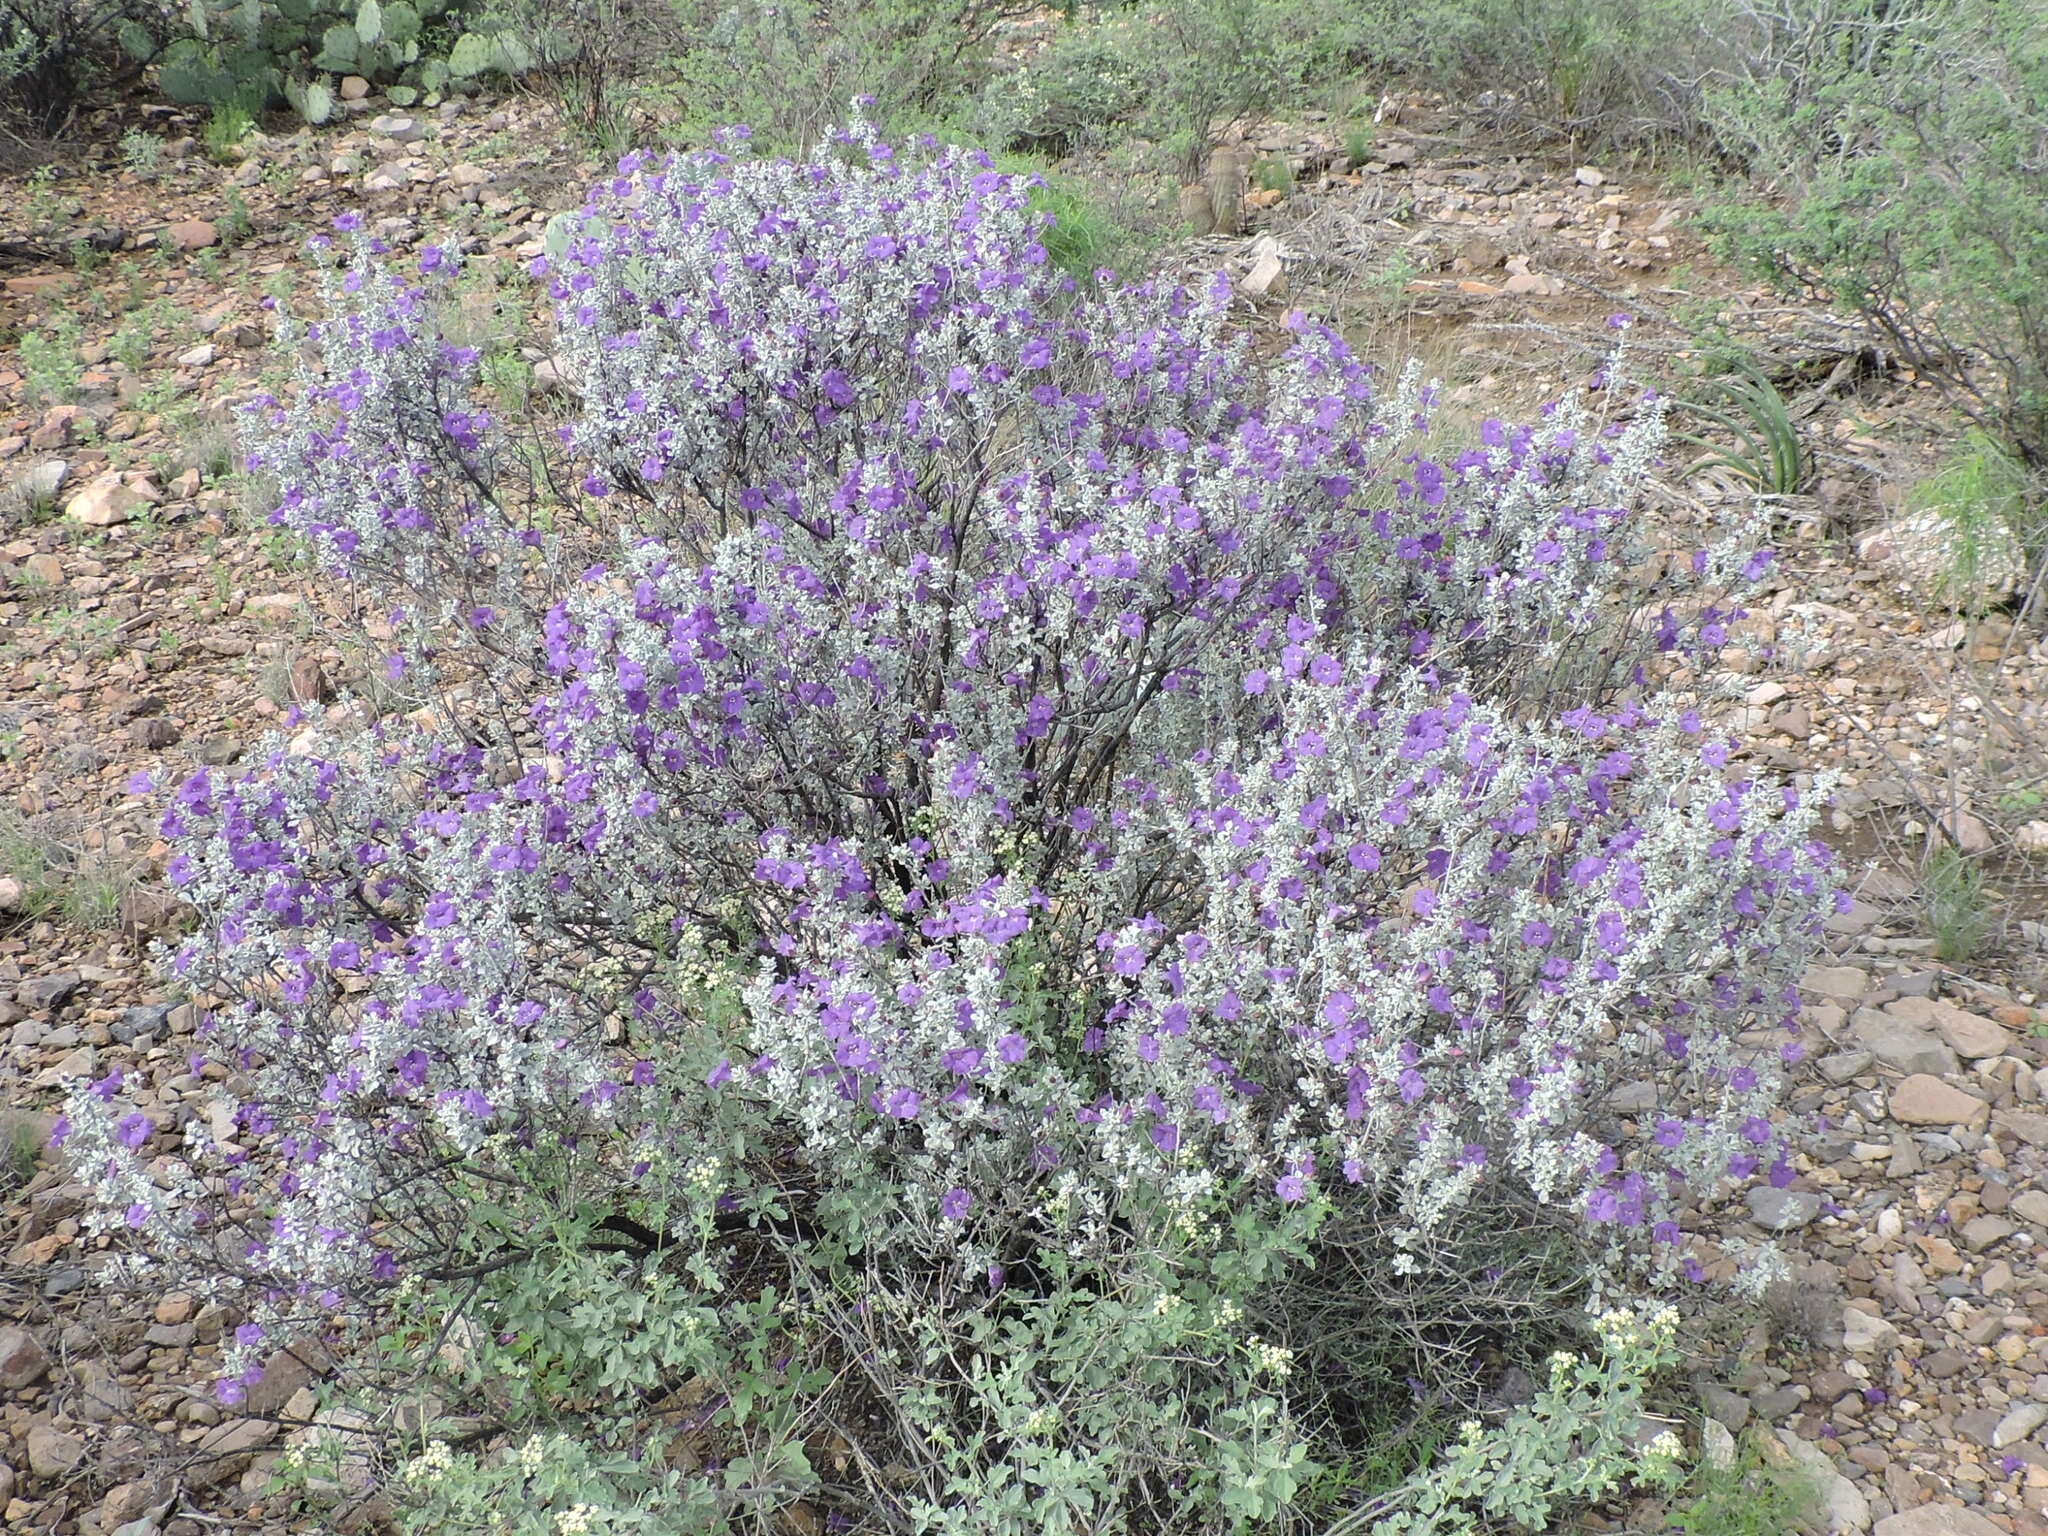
1956 905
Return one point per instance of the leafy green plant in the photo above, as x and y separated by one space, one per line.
236 223
49 361
1992 521
142 153
227 125
259 53
1956 906
1770 454
1576 1440
1755 1495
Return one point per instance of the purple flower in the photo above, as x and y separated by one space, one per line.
955 1203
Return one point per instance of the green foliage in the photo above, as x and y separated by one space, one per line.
1993 520
1906 142
788 70
142 153
1086 235
49 361
258 53
53 51
1770 455
1756 1496
1620 71
230 122
1168 72
1577 1440
1956 905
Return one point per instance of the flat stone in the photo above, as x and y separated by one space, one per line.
40 992
395 125
23 1360
1980 1232
1728 1409
2031 1205
1936 1520
1945 1363
1971 1037
1926 1100
1901 1046
52 1453
1842 1066
2021 1422
1782 1210
1847 1512
2024 1124
1835 981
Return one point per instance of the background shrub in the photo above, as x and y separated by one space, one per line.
987 880
1905 146
53 51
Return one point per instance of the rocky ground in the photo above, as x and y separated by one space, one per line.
149 621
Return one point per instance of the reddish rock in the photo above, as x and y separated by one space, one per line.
191 235
1925 1100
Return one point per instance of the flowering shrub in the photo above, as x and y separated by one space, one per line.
964 827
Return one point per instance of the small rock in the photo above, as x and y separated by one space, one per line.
191 235
1717 1446
353 88
1782 1210
1864 1333
309 684
1972 1038
155 733
1587 176
476 176
395 125
1925 1100
198 357
2031 1205
23 1360
52 1453
46 479
40 992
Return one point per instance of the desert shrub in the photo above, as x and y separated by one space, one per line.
1000 906
1167 71
1905 146
53 51
1617 72
788 70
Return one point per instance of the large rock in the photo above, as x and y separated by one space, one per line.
1864 1332
1902 1046
1969 1035
1936 1520
1925 1100
1847 1512
105 502
23 1360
